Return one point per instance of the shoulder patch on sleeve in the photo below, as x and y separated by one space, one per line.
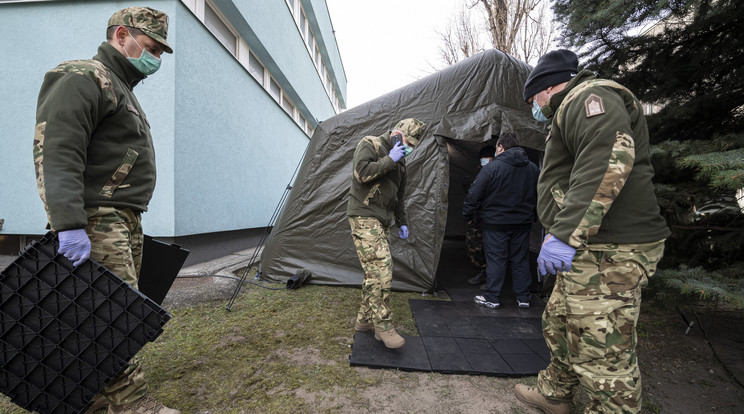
593 105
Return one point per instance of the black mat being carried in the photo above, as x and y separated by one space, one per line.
460 336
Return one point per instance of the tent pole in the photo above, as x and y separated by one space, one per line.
267 231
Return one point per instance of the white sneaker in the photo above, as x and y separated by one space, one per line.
481 300
523 305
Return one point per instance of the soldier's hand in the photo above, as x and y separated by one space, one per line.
403 232
555 256
397 152
74 245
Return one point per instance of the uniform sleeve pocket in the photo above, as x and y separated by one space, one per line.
121 173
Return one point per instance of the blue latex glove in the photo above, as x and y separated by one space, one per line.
555 256
398 151
403 232
74 245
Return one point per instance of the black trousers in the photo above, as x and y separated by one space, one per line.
502 249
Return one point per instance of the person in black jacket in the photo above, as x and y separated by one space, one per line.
503 197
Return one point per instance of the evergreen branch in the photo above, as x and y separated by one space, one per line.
704 284
731 179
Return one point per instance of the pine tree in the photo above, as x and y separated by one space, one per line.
693 70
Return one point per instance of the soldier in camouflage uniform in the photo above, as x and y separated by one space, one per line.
473 234
605 235
375 199
95 165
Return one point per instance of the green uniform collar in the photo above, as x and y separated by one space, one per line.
118 64
557 99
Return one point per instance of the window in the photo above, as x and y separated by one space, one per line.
255 68
275 90
220 30
310 40
287 105
318 58
303 25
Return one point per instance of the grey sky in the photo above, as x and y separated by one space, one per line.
387 44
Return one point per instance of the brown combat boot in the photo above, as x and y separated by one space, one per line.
363 327
145 405
390 338
531 396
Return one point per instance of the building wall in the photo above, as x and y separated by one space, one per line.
226 149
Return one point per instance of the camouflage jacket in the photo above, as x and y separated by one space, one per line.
92 143
595 185
379 183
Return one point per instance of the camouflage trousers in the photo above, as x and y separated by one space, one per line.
116 243
590 322
372 242
474 246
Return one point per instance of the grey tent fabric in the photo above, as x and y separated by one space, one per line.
474 100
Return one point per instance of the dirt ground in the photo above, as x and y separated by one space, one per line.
683 373
680 372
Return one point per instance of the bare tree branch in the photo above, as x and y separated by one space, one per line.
460 39
521 28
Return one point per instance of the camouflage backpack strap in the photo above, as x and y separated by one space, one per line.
584 86
93 69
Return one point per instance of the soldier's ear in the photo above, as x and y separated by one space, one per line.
121 34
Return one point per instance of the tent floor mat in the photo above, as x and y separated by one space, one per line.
462 338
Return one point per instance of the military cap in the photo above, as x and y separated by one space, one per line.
152 22
413 128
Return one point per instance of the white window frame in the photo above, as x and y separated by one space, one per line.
287 105
226 23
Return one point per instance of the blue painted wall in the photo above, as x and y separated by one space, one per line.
225 149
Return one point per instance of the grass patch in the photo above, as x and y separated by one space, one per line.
276 351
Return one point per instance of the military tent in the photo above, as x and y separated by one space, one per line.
464 106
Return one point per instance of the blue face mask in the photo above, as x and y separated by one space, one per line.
484 162
537 113
147 63
407 149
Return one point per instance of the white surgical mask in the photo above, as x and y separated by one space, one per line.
484 162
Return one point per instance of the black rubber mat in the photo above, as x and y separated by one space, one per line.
462 337
368 351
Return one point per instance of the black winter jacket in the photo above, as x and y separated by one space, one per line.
504 194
